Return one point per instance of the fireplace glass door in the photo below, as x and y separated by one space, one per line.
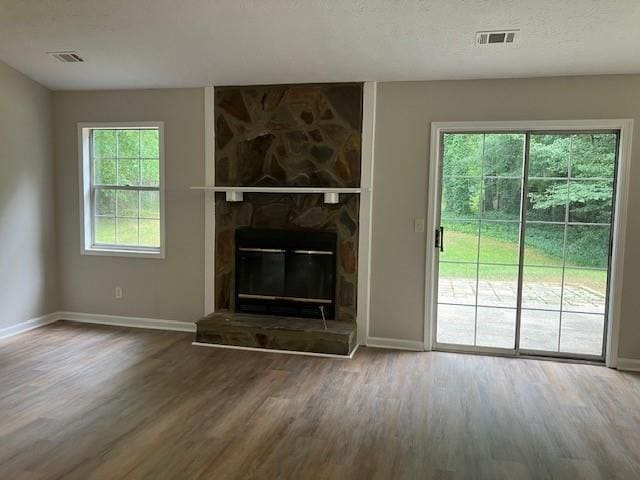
310 275
525 241
261 271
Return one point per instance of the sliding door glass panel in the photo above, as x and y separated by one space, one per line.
500 243
542 288
581 333
497 286
503 155
594 155
544 244
539 330
547 200
457 283
501 199
462 154
478 268
496 327
456 324
460 197
549 155
462 240
585 290
590 201
568 227
587 246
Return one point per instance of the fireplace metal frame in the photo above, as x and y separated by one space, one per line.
289 243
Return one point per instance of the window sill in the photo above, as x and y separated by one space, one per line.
117 252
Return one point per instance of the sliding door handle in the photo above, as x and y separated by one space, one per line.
440 239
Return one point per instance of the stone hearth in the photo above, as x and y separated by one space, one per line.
277 333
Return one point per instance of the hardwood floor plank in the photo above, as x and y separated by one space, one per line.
96 402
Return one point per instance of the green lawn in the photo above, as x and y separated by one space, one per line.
147 234
462 246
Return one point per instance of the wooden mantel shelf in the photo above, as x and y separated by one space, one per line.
235 194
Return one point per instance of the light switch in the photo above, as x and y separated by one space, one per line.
418 225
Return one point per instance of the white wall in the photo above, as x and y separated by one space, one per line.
404 113
28 277
170 289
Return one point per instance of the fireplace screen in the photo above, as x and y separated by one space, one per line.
287 273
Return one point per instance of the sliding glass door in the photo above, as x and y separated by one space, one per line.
525 241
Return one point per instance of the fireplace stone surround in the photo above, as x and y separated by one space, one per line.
286 136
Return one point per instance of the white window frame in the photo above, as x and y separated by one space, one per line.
619 224
87 247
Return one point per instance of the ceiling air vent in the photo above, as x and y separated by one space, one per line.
66 57
498 37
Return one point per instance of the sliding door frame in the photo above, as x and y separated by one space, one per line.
438 129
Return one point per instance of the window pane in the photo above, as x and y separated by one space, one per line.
590 201
150 173
127 203
462 154
150 204
587 246
104 171
584 290
503 154
501 198
547 200
105 202
460 197
105 230
541 287
539 330
457 283
497 286
129 172
128 144
149 144
456 324
499 242
127 231
104 143
460 241
549 155
544 244
496 327
150 233
581 333
593 155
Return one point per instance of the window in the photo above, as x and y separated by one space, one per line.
122 189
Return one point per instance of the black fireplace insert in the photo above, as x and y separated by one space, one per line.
287 273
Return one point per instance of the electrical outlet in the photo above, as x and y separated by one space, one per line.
418 225
118 292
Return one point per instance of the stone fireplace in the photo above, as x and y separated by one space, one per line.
286 136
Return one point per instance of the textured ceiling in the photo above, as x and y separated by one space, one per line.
178 43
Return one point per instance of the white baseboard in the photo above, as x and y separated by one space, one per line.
135 322
395 343
628 364
273 350
29 325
